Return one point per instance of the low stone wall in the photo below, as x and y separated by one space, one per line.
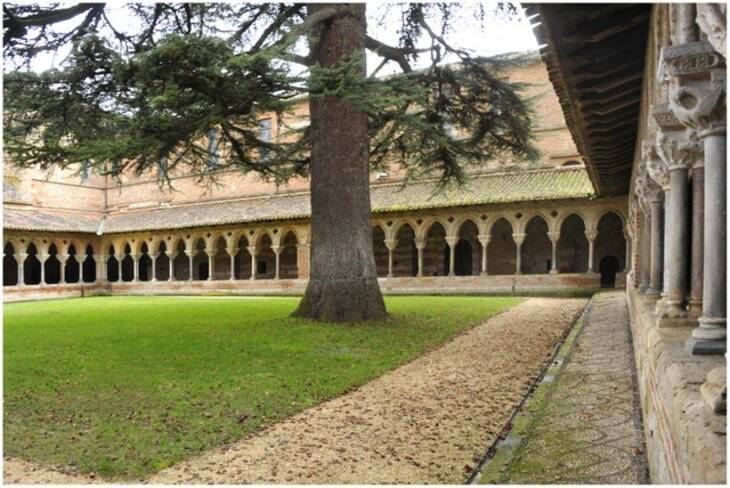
505 284
685 438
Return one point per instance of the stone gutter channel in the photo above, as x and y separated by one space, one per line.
501 448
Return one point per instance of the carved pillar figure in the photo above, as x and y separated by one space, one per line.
484 241
62 258
452 241
554 238
591 236
519 240
390 244
697 98
21 265
253 250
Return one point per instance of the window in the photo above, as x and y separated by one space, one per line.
213 148
265 136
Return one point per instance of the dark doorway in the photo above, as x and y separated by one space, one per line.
608 268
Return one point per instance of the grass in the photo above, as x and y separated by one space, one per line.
126 386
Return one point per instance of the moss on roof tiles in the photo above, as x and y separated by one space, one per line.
490 188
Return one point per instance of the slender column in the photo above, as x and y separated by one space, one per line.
484 241
591 236
665 252
645 256
452 241
190 256
43 257
519 240
657 245
554 238
153 256
252 250
627 266
119 269
698 238
171 264
211 262
62 258
100 261
80 262
232 251
390 244
135 258
678 242
21 268
277 252
420 246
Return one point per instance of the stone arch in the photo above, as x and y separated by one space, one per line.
467 254
221 261
537 248
502 250
380 252
265 257
112 264
502 217
52 266
288 265
405 254
144 263
435 250
610 240
71 266
180 261
243 258
127 263
32 265
162 263
200 259
572 245
88 266
10 265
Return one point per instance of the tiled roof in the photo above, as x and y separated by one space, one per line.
32 218
519 186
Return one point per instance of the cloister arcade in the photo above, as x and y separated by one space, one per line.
436 245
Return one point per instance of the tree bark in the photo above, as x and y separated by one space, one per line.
343 285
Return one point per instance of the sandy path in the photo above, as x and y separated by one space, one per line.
424 422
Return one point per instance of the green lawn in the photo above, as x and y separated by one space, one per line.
125 386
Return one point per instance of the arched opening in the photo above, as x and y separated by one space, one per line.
501 251
243 260
200 260
573 246
71 267
610 240
127 264
181 262
288 267
32 266
405 254
265 259
112 266
162 263
145 263
537 249
608 267
52 266
10 266
467 252
221 261
436 252
380 251
88 266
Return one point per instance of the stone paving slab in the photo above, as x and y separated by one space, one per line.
583 426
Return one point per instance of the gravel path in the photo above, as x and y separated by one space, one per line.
425 422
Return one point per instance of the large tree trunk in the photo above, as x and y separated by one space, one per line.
343 285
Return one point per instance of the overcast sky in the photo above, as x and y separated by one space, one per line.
497 36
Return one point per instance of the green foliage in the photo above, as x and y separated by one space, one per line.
125 386
147 99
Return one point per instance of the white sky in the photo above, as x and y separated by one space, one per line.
497 36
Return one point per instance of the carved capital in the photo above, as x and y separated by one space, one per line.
591 235
484 239
277 248
677 153
232 250
554 236
420 244
211 252
63 257
390 243
252 250
519 238
712 19
655 167
452 240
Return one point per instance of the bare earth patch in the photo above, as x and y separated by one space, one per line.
424 422
18 471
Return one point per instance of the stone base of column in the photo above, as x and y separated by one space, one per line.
703 347
694 308
671 309
673 322
643 287
483 273
653 292
714 390
553 271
